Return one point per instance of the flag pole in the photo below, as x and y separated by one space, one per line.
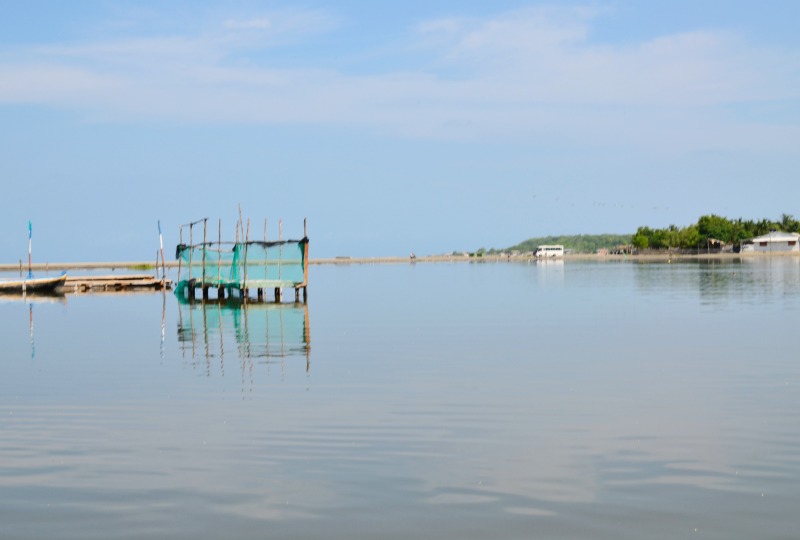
30 238
161 243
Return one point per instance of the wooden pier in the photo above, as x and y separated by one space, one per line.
237 269
115 283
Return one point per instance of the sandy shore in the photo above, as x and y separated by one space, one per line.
655 257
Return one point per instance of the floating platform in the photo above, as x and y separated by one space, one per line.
115 283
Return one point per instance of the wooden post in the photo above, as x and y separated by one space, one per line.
241 221
266 250
280 247
180 241
305 261
278 295
191 247
205 288
246 246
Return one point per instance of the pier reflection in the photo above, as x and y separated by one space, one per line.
252 332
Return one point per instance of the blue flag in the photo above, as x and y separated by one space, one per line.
30 230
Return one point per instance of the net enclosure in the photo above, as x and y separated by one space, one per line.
244 265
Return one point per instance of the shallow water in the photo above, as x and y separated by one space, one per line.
551 400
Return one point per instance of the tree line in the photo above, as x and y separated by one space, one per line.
710 229
582 243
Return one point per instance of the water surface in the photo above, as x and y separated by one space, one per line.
551 400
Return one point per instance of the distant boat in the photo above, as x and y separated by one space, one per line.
30 285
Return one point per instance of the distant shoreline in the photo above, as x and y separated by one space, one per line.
654 257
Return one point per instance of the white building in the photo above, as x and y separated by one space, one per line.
776 241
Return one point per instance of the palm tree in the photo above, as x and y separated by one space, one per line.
789 224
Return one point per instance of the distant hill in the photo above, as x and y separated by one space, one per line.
582 243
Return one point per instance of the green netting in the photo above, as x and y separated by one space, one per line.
256 330
244 265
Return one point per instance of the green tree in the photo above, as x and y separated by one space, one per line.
689 237
673 236
641 240
763 227
714 227
659 239
789 224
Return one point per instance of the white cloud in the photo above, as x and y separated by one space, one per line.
260 23
533 72
543 55
54 84
519 33
288 25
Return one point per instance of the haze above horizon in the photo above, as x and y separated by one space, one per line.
422 126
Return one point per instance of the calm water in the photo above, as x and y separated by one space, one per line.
452 401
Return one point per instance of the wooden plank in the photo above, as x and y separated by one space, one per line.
122 277
270 283
118 282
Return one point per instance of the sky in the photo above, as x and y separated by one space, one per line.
392 127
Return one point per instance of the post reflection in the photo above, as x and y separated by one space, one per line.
30 300
253 333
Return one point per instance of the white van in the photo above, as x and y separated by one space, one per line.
549 251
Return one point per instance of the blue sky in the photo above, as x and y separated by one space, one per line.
393 127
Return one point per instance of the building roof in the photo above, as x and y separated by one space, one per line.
777 236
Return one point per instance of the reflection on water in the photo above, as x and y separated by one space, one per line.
550 271
588 399
746 279
30 300
263 332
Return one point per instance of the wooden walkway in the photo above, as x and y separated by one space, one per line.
115 283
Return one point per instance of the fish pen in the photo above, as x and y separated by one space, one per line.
234 270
